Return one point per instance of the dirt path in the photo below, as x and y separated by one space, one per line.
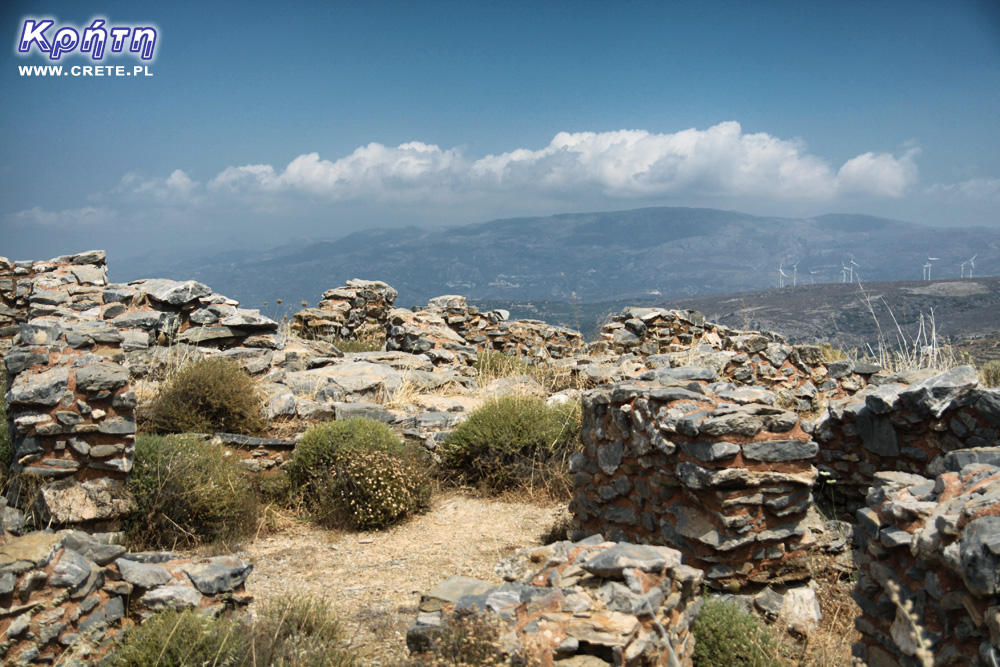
374 579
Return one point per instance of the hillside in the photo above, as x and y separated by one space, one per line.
588 258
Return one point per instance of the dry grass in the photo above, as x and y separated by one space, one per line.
830 644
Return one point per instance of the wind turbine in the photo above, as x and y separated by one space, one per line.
961 269
781 276
843 273
972 264
927 271
795 273
928 265
853 264
850 278
812 277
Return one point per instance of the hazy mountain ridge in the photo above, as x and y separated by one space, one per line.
589 257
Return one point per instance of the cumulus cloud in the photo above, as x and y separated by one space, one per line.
176 188
879 174
720 161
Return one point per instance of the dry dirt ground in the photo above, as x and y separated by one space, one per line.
373 580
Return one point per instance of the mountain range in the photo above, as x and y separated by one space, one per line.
617 257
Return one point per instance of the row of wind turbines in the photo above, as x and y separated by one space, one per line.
848 272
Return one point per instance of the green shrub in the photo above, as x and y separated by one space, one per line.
515 442
357 473
178 639
726 635
188 491
207 396
990 374
299 632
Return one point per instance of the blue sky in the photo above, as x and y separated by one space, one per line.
267 121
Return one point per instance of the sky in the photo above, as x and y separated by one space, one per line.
259 123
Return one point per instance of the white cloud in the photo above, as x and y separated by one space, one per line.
176 188
879 174
720 162
974 188
70 218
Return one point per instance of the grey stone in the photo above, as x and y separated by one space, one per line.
955 461
609 456
71 570
980 555
609 563
710 451
681 374
86 546
936 394
344 411
117 426
988 406
219 574
45 388
780 450
142 575
171 597
450 591
18 360
877 433
100 377
172 292
769 601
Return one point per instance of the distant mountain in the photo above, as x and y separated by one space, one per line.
643 254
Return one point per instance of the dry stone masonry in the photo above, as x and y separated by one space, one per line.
67 594
590 602
345 310
720 472
935 540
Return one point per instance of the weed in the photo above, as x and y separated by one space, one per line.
296 632
179 638
492 365
188 491
207 396
515 442
989 374
357 473
466 641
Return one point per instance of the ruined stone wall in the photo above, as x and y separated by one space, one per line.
67 283
345 310
937 542
450 331
906 428
68 594
720 472
589 602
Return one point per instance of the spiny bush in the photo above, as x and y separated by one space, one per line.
515 442
187 491
469 641
206 396
357 473
726 635
296 632
180 638
990 374
367 338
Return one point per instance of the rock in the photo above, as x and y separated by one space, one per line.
86 546
70 501
33 550
344 411
219 574
70 570
450 591
142 575
780 450
980 555
936 394
172 292
609 563
44 388
171 597
800 611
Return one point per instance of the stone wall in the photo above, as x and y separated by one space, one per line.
70 410
69 283
69 594
908 428
449 331
720 472
591 602
345 310
937 542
